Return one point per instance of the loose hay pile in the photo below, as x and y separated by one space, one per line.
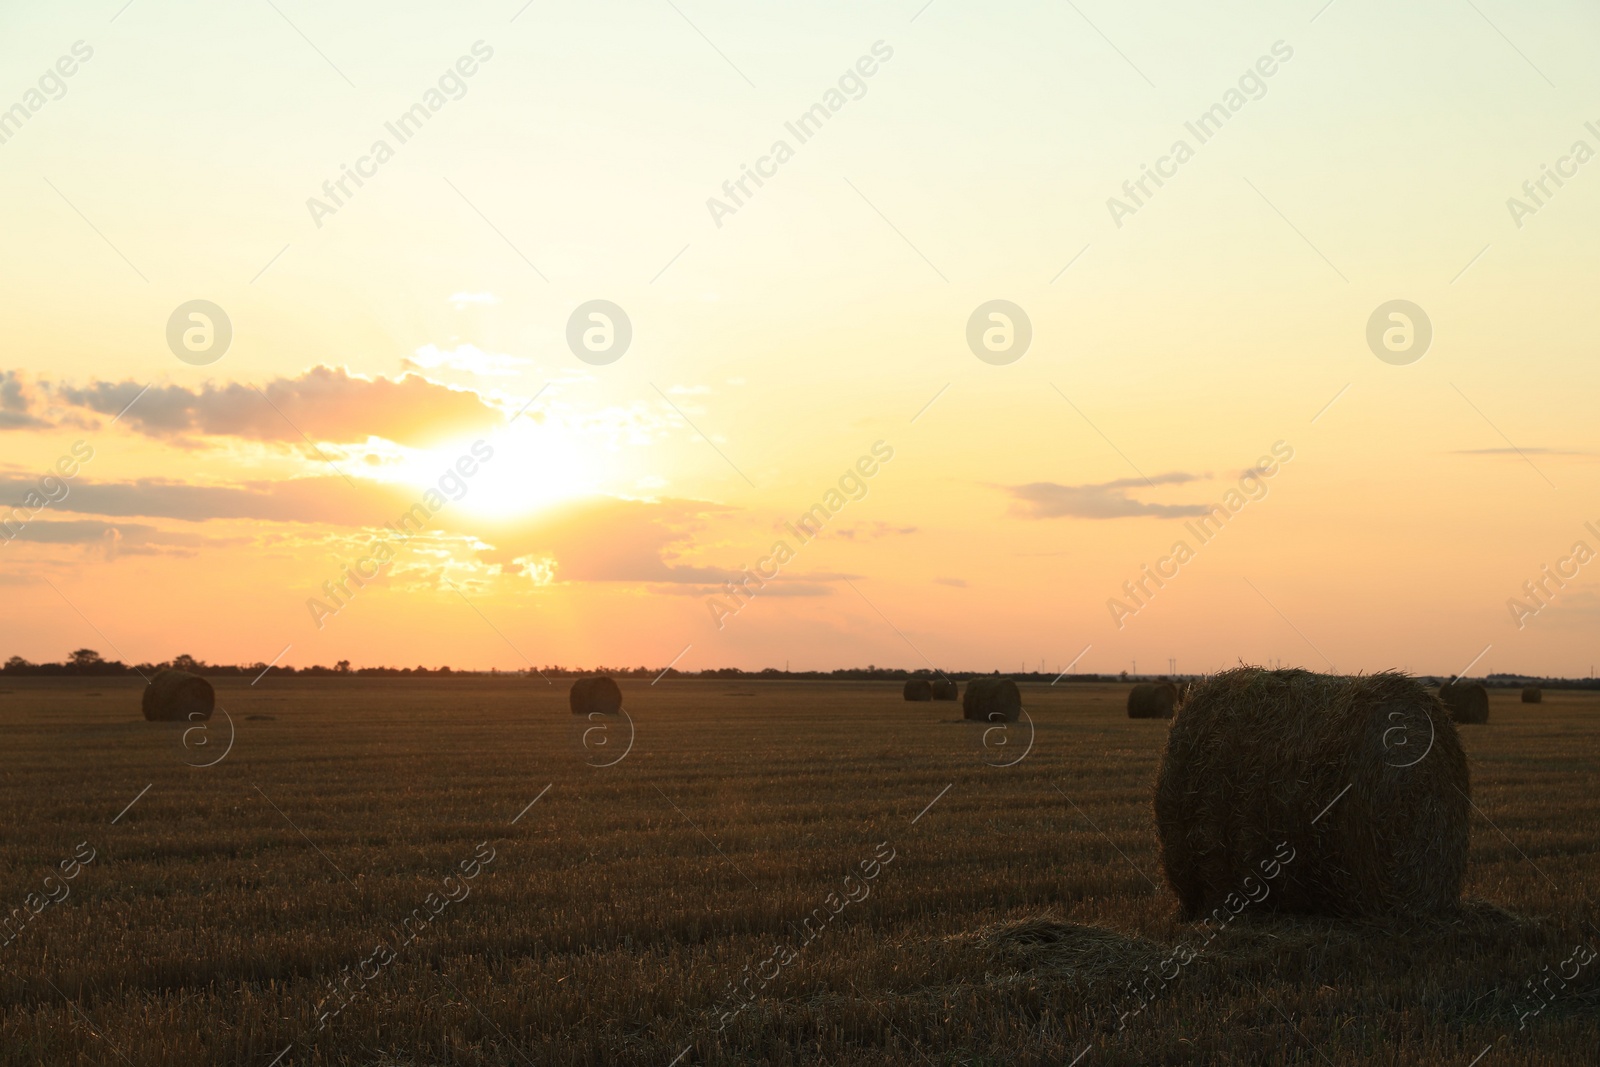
917 689
944 689
1020 952
1360 781
178 696
1468 701
991 700
1532 694
595 694
1152 700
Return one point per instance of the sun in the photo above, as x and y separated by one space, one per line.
531 467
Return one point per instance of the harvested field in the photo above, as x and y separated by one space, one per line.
1015 910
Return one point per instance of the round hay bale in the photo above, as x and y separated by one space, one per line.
1532 694
991 700
1468 701
944 689
1340 795
178 696
1152 700
595 693
917 689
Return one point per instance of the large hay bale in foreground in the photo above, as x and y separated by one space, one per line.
944 689
1532 694
178 696
1152 700
595 694
917 689
1468 701
991 700
1338 795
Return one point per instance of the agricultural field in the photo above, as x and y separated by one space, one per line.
462 872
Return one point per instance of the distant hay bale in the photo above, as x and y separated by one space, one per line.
178 696
944 689
1340 795
1532 694
991 700
1468 701
917 689
1152 700
595 693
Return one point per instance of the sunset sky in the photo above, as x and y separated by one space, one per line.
563 154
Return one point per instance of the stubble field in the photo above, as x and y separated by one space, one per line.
773 873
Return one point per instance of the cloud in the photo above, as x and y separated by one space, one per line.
1106 500
601 539
956 582
121 539
313 500
325 403
466 359
16 404
605 539
874 530
609 540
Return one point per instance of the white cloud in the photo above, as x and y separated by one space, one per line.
466 359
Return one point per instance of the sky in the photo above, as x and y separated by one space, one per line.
1319 392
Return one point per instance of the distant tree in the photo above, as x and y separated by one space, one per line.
85 657
185 662
17 663
342 667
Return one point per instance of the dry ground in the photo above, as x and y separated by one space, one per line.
621 909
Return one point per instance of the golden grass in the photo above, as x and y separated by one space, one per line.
1018 911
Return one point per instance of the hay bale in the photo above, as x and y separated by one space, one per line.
1532 694
1468 701
991 700
917 689
944 689
596 693
1152 700
1363 778
178 696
